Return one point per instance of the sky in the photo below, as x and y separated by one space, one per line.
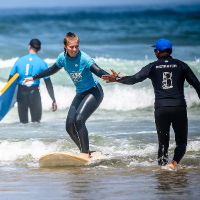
80 3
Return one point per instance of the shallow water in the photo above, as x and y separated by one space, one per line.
130 170
123 125
97 182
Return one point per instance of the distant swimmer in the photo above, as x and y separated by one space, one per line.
168 76
89 94
28 96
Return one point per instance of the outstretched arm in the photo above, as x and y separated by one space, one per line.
192 79
128 80
51 93
196 86
47 72
97 70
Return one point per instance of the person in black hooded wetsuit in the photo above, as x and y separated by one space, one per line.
89 94
167 75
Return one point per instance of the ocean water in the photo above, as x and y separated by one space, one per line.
123 125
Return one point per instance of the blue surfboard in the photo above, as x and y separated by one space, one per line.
8 96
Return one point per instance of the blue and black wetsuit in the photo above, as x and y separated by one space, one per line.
89 93
168 76
28 96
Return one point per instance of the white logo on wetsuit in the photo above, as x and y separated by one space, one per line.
27 69
167 80
75 76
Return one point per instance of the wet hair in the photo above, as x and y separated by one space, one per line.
69 36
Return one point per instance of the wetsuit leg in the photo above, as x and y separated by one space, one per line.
35 104
70 121
180 126
83 105
89 104
22 100
162 120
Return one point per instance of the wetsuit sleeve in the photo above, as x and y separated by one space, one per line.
138 77
196 86
44 67
192 79
13 71
47 72
97 70
50 88
10 77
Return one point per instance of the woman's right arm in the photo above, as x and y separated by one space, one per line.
47 72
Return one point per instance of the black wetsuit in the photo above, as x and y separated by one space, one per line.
29 98
168 76
83 105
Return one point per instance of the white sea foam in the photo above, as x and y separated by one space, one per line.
32 147
49 60
116 97
30 150
7 63
193 146
63 95
11 62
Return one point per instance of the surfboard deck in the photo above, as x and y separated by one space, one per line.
61 159
8 96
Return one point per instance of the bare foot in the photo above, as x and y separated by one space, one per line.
172 164
85 155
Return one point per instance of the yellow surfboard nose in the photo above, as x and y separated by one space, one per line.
9 83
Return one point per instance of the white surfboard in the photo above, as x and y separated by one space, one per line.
60 159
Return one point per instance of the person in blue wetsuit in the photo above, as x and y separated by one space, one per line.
89 94
28 96
167 75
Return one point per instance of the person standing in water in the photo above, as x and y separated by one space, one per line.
89 94
168 76
28 96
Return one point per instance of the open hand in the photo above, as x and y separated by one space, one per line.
27 79
111 77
